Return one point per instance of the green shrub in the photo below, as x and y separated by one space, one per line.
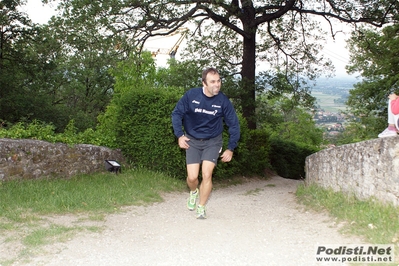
144 129
145 135
34 130
259 148
46 132
251 157
288 158
141 126
236 166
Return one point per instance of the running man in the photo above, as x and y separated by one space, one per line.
201 112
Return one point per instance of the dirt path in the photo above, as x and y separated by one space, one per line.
255 223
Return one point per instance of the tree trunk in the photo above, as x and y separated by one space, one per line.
248 78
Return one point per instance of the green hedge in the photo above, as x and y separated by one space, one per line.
138 120
145 135
288 158
251 157
140 124
144 130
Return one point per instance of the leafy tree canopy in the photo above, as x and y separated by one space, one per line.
281 32
56 72
374 54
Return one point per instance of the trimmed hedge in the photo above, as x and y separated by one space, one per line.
144 130
288 158
145 135
140 124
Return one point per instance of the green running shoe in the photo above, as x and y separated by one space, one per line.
201 212
192 200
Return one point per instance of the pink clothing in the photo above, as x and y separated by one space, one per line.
395 106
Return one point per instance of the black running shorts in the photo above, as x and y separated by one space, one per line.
204 149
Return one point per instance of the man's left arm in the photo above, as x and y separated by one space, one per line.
233 124
227 156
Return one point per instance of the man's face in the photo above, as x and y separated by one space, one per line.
212 84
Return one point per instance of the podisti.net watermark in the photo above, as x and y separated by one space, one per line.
355 253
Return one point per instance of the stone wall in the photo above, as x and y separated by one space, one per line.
31 159
368 169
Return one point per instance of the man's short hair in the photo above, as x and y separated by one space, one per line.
208 70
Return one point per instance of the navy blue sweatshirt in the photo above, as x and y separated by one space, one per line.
202 116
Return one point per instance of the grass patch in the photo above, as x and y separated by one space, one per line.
22 200
234 181
43 236
4 226
224 183
377 222
24 205
253 192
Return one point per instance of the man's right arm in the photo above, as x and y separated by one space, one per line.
177 117
183 142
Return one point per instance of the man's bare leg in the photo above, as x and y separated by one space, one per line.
206 184
192 183
192 176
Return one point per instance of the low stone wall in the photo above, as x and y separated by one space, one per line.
31 159
366 169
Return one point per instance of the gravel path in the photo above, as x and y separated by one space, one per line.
255 223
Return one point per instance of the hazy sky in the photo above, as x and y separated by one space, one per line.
38 12
335 49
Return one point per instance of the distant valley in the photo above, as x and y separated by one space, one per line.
331 95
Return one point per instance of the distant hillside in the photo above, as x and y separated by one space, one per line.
331 94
